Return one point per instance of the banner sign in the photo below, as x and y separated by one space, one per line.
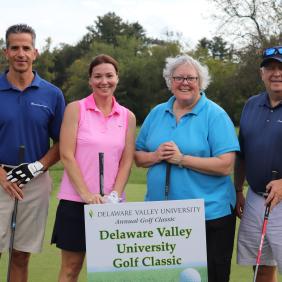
146 241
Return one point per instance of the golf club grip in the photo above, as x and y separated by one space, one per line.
101 172
167 180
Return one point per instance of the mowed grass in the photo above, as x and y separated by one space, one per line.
44 267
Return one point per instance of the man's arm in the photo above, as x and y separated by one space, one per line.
23 173
239 179
51 157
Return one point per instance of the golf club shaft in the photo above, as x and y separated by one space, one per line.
14 219
101 173
274 175
167 180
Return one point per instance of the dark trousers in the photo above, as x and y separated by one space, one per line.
220 241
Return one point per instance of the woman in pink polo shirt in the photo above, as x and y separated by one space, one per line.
92 125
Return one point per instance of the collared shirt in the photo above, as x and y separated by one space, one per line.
97 133
206 131
29 117
261 141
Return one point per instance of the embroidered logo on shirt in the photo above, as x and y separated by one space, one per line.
38 105
279 120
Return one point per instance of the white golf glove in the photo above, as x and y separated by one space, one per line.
112 198
23 173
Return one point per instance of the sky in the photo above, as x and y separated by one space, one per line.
65 21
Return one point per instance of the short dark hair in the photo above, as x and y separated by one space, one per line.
20 28
102 59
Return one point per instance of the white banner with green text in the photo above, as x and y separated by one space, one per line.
146 241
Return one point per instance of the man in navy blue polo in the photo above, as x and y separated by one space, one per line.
261 153
31 111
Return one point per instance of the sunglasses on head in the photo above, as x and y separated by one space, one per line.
272 51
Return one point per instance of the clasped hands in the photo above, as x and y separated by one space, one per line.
112 198
169 152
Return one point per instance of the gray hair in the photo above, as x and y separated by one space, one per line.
173 63
20 28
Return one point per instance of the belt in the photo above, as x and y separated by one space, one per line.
7 168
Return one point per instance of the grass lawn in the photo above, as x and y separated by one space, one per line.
44 267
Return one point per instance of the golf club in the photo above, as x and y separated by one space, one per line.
101 173
274 175
167 180
14 218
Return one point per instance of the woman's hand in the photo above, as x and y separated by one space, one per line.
90 198
175 155
167 151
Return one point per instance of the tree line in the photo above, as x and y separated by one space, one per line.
234 67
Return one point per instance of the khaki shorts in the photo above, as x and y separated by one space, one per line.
250 231
31 216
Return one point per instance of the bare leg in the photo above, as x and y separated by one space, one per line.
267 273
71 266
19 266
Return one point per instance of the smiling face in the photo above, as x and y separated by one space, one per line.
186 91
271 75
103 80
20 52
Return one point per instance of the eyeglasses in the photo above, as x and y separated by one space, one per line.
272 51
181 79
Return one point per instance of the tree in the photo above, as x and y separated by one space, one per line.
253 21
108 27
141 85
223 86
217 48
64 56
3 61
44 64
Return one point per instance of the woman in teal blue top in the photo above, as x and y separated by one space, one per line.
198 139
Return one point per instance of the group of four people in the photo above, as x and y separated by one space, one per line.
189 132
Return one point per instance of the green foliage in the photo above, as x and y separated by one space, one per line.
216 48
44 65
3 61
235 72
109 27
141 65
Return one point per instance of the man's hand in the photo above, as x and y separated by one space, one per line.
274 189
25 172
240 203
11 188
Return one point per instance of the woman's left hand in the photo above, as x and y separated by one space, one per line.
176 155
